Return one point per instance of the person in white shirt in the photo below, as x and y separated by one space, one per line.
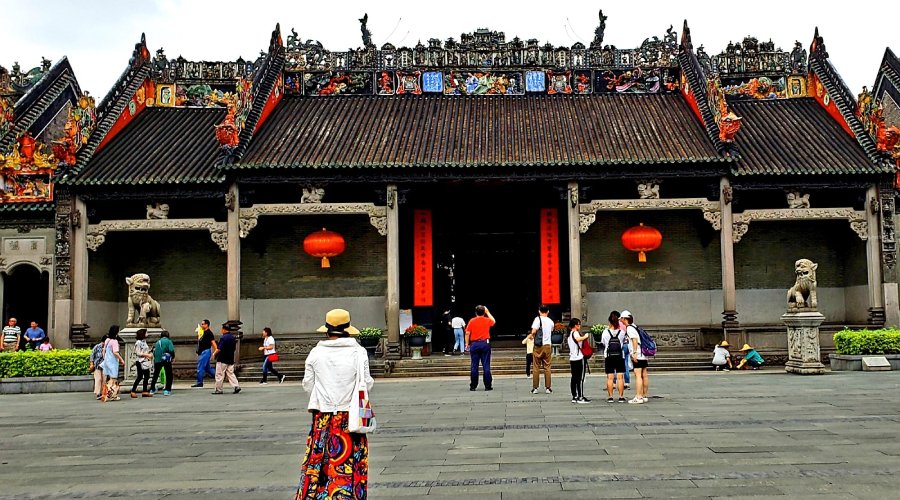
332 369
614 357
12 335
641 378
459 334
577 361
721 356
542 326
268 349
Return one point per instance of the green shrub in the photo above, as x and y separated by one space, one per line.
45 364
370 332
857 342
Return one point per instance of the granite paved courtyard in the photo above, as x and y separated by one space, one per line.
705 435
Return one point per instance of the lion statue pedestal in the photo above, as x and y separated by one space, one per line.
802 320
143 312
128 335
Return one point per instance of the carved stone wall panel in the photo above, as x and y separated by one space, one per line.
675 339
856 218
250 215
711 210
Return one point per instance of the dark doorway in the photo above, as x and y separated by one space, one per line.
25 292
487 236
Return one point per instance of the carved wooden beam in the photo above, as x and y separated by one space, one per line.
377 214
96 233
857 218
711 210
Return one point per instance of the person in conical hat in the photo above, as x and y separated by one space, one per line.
721 357
751 358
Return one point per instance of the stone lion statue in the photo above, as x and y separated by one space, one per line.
158 211
797 200
803 294
312 194
143 311
648 190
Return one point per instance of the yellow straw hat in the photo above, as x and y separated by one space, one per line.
338 321
746 347
724 344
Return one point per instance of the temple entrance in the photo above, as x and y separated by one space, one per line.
488 238
25 296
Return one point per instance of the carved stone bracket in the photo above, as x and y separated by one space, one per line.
857 218
711 211
96 233
377 214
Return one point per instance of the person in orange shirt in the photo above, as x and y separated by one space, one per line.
478 343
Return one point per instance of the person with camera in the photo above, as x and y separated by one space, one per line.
478 343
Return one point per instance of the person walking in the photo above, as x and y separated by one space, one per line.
641 376
224 356
459 334
576 361
111 361
721 357
96 361
529 354
614 343
143 361
541 329
269 352
163 357
12 336
206 345
336 462
478 343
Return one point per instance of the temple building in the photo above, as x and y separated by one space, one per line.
679 184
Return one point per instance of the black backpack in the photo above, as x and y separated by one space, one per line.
614 346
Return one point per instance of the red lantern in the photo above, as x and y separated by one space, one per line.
642 239
324 244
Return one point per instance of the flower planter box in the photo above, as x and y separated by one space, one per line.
850 363
416 340
35 385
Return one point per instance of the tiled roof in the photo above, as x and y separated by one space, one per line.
796 137
160 146
454 131
27 207
41 97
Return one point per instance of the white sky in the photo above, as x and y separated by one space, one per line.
98 35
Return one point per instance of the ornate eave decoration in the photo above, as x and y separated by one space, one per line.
96 233
588 211
249 216
482 62
857 218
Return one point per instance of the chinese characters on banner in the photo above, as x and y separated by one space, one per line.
549 256
422 290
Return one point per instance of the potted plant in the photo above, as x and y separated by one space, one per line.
415 335
369 336
597 333
559 332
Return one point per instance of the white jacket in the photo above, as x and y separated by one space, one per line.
330 375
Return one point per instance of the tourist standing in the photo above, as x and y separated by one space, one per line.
35 336
641 375
12 336
224 355
576 361
143 361
541 330
268 349
206 345
111 361
95 366
163 357
459 334
614 344
478 343
332 370
721 357
529 354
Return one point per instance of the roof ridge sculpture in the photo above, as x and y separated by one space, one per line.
696 89
29 106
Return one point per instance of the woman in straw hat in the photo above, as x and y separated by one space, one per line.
721 357
336 462
751 358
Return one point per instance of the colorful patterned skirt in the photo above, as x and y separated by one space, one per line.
336 463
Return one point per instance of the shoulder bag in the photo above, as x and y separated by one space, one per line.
361 418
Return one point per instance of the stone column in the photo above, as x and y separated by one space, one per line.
393 273
79 268
575 253
873 259
233 267
804 357
729 295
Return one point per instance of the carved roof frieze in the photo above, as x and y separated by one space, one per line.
711 210
857 218
249 215
96 233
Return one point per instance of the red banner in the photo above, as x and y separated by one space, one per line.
549 256
423 290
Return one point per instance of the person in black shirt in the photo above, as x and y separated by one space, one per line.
224 355
206 344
